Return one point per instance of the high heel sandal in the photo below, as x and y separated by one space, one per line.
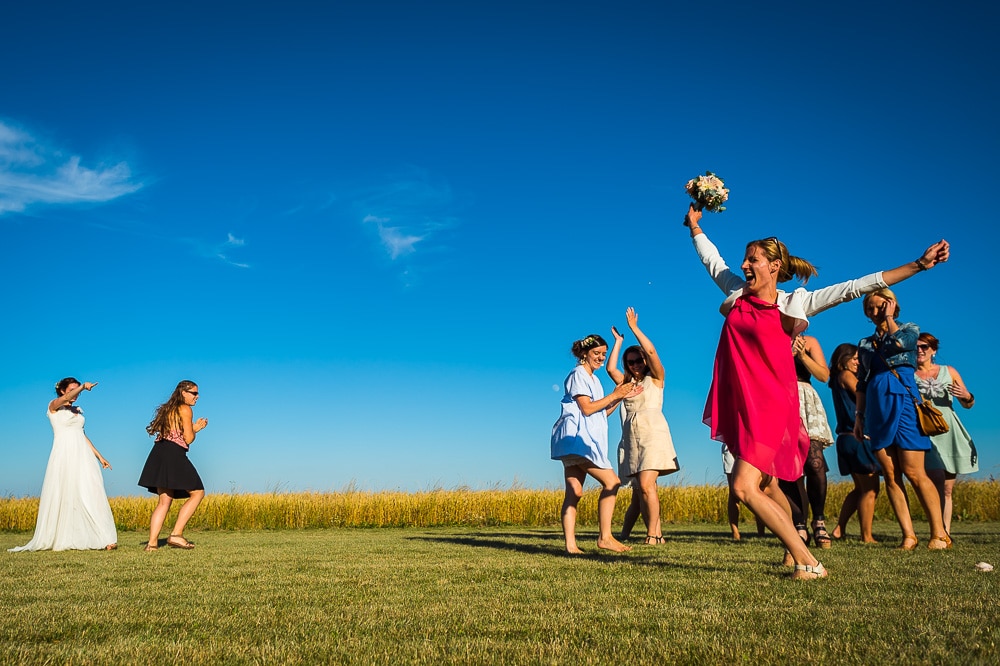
820 535
909 542
939 543
803 533
809 572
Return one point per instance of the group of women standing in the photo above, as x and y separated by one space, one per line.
73 509
580 435
756 401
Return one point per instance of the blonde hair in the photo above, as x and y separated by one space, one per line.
791 266
885 293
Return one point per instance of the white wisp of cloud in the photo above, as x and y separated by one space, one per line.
34 174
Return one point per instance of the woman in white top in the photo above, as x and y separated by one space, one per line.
73 509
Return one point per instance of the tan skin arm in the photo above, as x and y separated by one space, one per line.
806 348
104 463
958 389
611 363
68 397
653 363
693 220
190 429
608 402
937 253
859 419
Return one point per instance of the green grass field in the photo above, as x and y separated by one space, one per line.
497 595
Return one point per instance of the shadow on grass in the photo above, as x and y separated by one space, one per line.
652 556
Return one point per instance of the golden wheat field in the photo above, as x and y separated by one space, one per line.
974 500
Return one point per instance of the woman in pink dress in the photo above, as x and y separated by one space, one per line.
753 405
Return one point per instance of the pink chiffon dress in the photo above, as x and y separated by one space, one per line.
753 405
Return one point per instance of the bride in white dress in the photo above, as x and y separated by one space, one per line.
73 511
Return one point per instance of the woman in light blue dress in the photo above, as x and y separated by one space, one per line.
952 452
580 441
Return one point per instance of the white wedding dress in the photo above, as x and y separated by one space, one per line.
73 511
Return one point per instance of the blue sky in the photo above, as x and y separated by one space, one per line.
371 231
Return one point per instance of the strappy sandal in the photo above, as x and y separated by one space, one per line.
803 533
809 571
651 540
939 543
150 549
184 544
820 535
909 542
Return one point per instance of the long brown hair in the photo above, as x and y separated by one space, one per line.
634 349
166 416
774 250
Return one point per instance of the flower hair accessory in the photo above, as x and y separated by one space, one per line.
587 341
709 192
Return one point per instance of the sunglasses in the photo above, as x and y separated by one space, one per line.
634 361
191 392
923 347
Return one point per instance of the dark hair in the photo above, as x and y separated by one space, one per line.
581 347
775 250
930 340
63 384
629 375
165 418
839 358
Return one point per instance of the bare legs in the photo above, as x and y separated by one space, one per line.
165 498
896 463
575 476
861 499
650 502
632 514
733 508
944 481
747 485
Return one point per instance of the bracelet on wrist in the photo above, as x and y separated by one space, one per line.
920 264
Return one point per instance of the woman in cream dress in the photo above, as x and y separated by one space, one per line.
647 450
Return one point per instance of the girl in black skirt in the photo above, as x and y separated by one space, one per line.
168 473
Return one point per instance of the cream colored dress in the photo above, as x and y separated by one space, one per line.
646 442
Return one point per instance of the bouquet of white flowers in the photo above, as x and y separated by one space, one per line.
709 192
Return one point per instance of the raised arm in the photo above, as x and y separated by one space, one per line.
70 395
726 279
611 363
806 348
653 362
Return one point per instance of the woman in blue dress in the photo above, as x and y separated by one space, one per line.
887 414
854 456
580 441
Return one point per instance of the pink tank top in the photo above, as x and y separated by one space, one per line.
177 437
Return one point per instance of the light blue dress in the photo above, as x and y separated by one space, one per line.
575 434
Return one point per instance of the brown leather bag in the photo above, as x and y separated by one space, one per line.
929 418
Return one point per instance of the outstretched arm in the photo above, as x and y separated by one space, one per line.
611 363
936 254
608 402
68 397
652 358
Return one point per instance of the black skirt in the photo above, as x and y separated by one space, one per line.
168 467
